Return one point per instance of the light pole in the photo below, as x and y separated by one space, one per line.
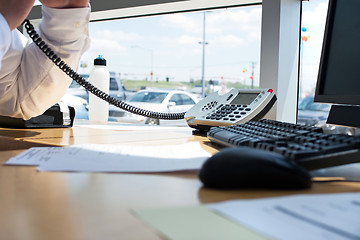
204 43
252 73
151 61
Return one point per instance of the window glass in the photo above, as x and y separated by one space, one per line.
167 51
177 99
220 48
187 100
312 31
150 97
113 84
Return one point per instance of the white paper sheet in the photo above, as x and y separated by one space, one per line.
299 217
132 127
34 156
114 158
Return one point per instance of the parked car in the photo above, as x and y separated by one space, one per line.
316 114
311 113
76 90
116 88
79 104
167 101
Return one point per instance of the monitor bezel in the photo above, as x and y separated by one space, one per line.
320 96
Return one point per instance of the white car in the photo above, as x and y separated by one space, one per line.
79 104
165 101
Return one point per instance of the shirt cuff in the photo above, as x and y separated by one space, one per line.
65 24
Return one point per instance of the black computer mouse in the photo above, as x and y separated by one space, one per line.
245 167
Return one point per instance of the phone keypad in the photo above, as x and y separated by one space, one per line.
209 106
229 112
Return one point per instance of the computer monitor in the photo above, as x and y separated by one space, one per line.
339 70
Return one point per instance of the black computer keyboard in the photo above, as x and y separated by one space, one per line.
308 146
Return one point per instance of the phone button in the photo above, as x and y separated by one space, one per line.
229 97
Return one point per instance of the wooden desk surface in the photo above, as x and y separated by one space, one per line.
46 205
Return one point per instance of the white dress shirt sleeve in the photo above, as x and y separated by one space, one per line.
5 37
29 82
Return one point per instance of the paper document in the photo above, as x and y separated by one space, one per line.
299 217
114 158
34 156
194 223
132 127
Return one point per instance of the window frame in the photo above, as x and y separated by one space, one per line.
281 23
102 10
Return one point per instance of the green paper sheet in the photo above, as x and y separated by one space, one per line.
194 223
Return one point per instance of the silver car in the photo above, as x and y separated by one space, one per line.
116 88
316 114
166 101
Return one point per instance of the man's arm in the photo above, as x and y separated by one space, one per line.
15 11
5 37
65 3
36 84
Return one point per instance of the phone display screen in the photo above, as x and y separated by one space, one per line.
244 98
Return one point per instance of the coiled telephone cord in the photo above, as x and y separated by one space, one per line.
88 86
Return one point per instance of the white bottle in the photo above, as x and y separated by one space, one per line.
100 78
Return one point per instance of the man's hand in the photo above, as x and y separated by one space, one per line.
15 11
65 3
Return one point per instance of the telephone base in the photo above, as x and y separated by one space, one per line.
200 132
54 117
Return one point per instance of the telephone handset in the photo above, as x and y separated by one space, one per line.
234 107
211 111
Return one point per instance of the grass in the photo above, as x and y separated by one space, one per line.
135 85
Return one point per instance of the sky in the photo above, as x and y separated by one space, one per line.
314 18
169 45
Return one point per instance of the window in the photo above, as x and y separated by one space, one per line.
312 31
187 100
113 84
181 99
178 45
176 98
149 97
166 51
